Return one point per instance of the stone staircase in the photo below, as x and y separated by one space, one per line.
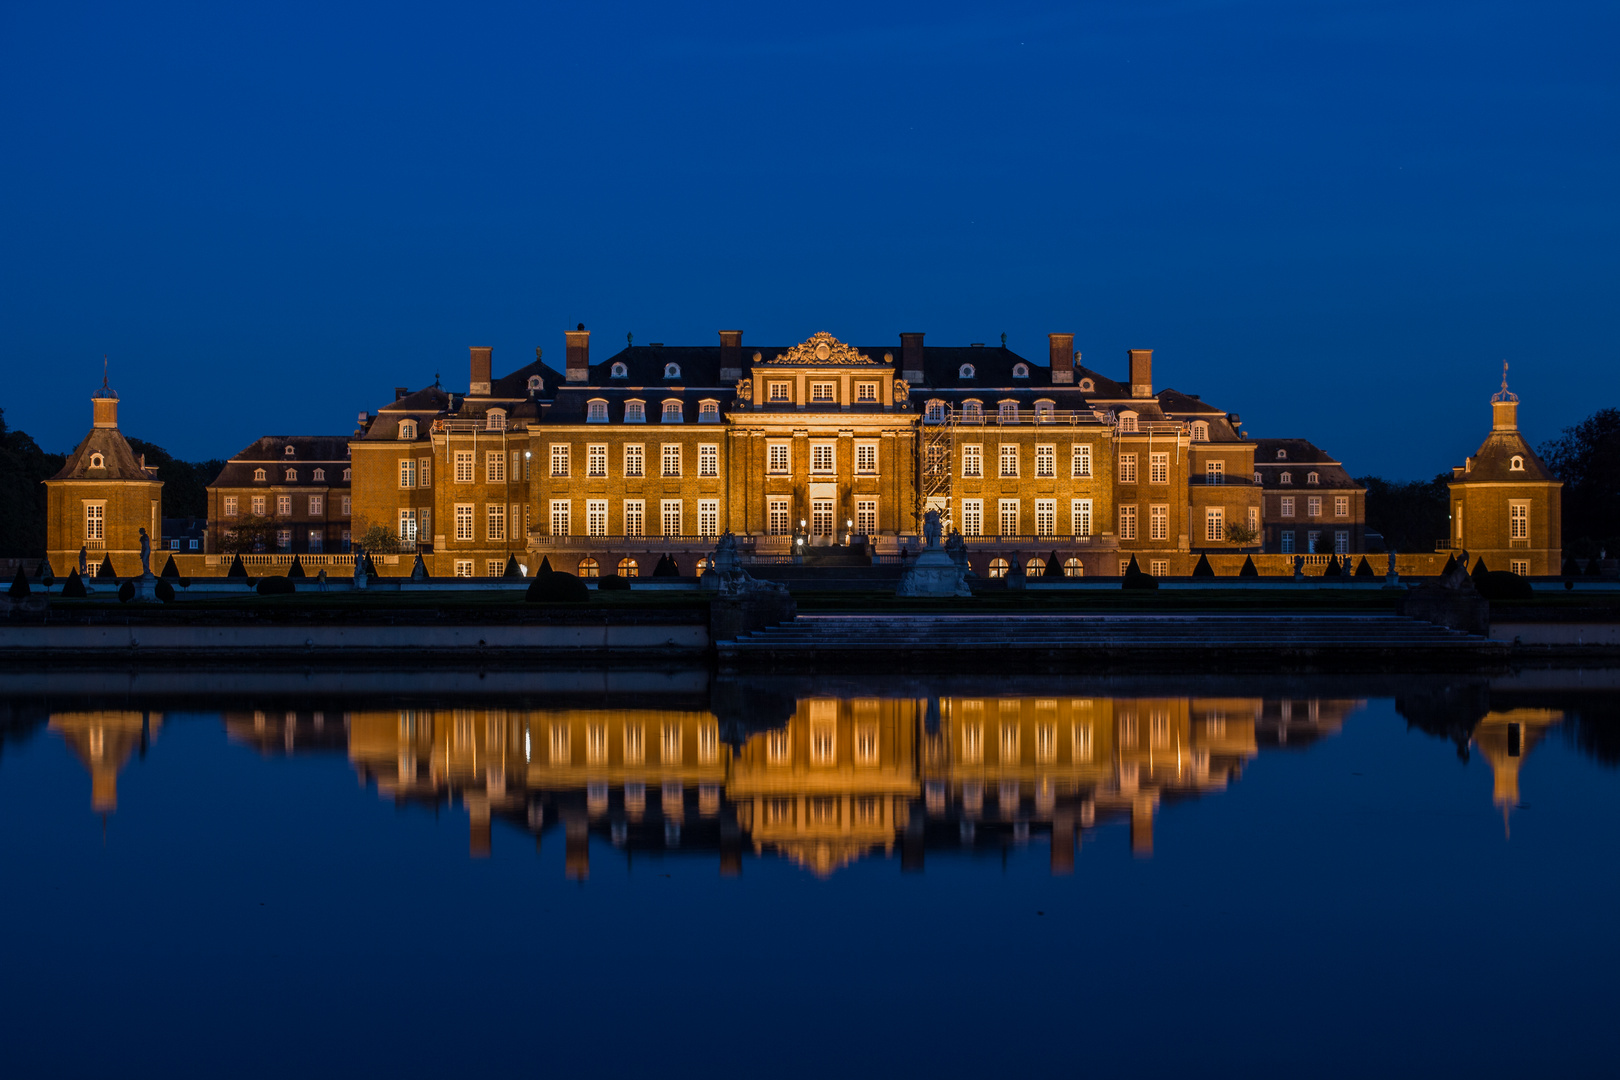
1015 642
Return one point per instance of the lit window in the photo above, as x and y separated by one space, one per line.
1045 519
672 412
1214 472
595 518
709 460
635 412
821 457
972 461
672 371
972 517
965 371
866 516
866 458
561 517
1127 468
1044 411
1009 459
1008 517
1127 422
495 466
822 391
628 568
1020 371
619 371
1517 464
1080 463
99 462
464 522
495 521
1158 522
559 459
1008 412
934 411
316 505
1518 520
777 457
780 391
633 459
777 518
230 506
972 409
634 520
464 466
1200 431
1073 568
1158 468
1127 523
1214 524
670 517
283 505
596 459
998 567
866 392
708 518
596 412
709 412
1080 516
671 458
258 474
1341 506
495 420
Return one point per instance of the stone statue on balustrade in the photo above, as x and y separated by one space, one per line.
936 571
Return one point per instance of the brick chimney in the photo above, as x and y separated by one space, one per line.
478 382
1142 373
1060 352
730 355
579 354
911 358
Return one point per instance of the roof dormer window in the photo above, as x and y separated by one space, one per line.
672 411
1282 455
536 384
495 420
288 451
619 371
972 409
1517 464
596 411
407 429
635 412
1007 411
1020 371
258 474
934 411
1127 422
672 371
1044 409
346 473
708 411
965 371
292 476
99 462
1087 385
1286 478
1257 478
1200 431
320 474
1312 478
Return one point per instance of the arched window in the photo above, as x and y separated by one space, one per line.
1517 464
998 567
407 429
288 452
1044 409
1127 421
97 461
672 411
346 473
620 371
588 567
1200 431
495 420
965 371
320 474
627 567
1035 567
1312 478
703 565
1282 455
934 411
635 412
258 474
1007 411
1286 478
1020 371
1087 385
536 384
672 371
708 411
292 475
596 411
1073 567
972 409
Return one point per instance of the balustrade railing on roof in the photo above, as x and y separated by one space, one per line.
473 427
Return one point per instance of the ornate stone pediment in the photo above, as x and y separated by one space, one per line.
822 348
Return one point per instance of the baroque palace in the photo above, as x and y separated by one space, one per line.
607 466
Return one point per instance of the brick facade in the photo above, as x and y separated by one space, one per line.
101 499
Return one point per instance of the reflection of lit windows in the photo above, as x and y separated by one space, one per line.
972 743
635 798
1009 744
670 745
866 744
708 744
559 744
778 748
778 811
823 743
1127 729
708 799
1045 743
823 810
634 744
866 810
596 749
1159 729
1215 725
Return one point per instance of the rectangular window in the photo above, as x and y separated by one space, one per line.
230 506
1313 506
1214 472
1313 541
95 519
1046 461
1081 462
1341 506
972 517
407 525
1518 521
1158 468
1286 506
633 463
778 457
464 469
1045 517
866 516
777 523
1008 517
1159 522
866 392
1341 541
284 505
708 517
561 523
596 517
464 568
709 459
1127 468
494 567
407 472
464 521
822 391
1127 523
1159 567
1287 536
634 517
781 391
495 466
671 458
866 458
559 459
346 504
316 505
424 472
596 459
821 458
1080 513
283 539
258 505
1520 567
973 462
821 517
1214 524
1009 459
670 514
495 521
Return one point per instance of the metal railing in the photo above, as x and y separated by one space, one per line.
473 427
619 540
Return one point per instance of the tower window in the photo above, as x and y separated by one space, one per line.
1517 464
97 461
288 451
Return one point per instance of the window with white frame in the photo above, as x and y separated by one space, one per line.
1159 522
866 516
1341 506
1080 460
1285 478
1520 567
494 567
1313 541
495 521
258 474
619 371
1046 461
1045 517
866 458
1254 520
670 459
1127 468
1258 479
965 371
1518 520
407 429
708 411
495 420
972 461
283 539
257 504
464 521
821 458
635 412
1158 468
672 411
1313 506
230 506
292 476
1313 478
777 523
866 393
634 460
709 459
347 474
708 517
1214 524
635 521
95 520
934 411
596 411
778 457
595 517
670 516
1287 539
1341 541
1127 523
1009 459
1516 464
821 517
823 392
317 505
1285 506
320 474
596 459
561 517
495 466
464 568
1200 431
1007 412
972 517
973 410
779 392
1080 516
284 506
1214 472
1008 517
559 459
1127 422
464 466
672 371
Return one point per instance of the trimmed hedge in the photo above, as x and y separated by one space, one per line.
1503 585
557 588
275 586
612 583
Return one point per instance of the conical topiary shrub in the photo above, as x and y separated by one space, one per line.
170 570
1333 568
1364 569
545 566
296 570
1451 564
107 570
512 569
1249 569
19 585
1479 572
74 585
1202 568
419 570
667 567
237 570
46 575
1135 579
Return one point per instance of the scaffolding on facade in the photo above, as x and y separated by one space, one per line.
935 467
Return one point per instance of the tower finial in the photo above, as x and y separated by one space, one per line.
1504 375
103 369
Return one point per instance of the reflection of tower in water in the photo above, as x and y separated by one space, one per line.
1505 737
104 742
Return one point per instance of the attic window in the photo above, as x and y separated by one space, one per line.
1127 421
1020 371
635 412
1517 464
1312 478
972 409
1087 384
320 474
99 462
1286 478
407 429
495 420
536 383
672 411
672 371
258 474
934 411
620 371
288 451
596 411
1257 478
292 475
1044 409
1008 412
965 371
346 474
1282 455
1200 431
708 411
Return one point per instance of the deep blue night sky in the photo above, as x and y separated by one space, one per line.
1336 219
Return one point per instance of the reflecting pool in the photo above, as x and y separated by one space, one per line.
253 873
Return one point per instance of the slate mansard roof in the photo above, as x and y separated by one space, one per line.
1494 461
118 460
269 452
1300 458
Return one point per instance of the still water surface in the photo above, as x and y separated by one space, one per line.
448 874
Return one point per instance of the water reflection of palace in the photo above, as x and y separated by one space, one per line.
104 741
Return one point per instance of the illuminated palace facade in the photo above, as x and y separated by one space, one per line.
660 449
